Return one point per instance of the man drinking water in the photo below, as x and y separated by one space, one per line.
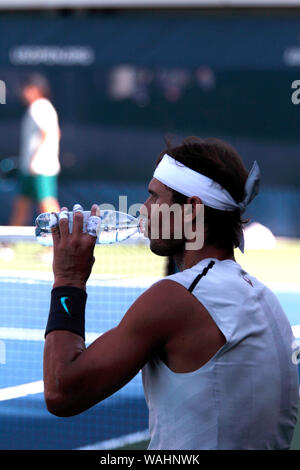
213 342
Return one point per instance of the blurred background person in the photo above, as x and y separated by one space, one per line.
39 164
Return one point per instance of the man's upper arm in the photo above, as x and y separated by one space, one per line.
119 354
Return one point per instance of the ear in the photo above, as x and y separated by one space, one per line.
192 208
194 223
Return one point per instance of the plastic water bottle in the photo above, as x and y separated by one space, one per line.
113 227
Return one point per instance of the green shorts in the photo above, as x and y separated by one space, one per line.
38 187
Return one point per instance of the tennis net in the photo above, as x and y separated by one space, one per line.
120 274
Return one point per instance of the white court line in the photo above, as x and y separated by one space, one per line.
30 334
284 287
31 277
118 441
19 391
296 331
26 334
22 334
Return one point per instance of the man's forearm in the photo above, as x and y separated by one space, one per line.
69 282
60 353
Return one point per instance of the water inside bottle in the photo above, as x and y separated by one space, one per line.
114 227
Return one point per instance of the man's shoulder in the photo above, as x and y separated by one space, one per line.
164 301
41 103
168 290
159 312
42 107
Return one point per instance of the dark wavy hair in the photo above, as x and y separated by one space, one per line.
222 163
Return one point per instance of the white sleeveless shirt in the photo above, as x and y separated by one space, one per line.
40 115
246 396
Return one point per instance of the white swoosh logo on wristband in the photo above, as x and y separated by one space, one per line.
63 302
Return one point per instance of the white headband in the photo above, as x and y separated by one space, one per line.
186 181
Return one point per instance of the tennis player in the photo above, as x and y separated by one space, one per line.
39 152
213 343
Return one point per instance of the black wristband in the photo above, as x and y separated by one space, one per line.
67 310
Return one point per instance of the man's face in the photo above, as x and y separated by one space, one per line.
163 226
30 94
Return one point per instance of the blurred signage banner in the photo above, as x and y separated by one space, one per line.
209 43
44 4
52 55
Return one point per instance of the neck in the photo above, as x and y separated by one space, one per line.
189 258
36 98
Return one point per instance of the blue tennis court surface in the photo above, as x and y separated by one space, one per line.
25 422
